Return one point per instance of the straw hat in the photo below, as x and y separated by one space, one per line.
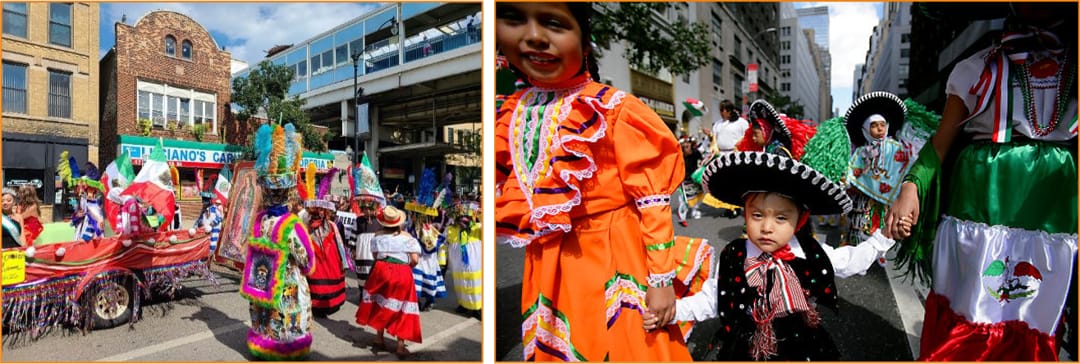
390 216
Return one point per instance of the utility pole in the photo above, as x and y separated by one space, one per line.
358 94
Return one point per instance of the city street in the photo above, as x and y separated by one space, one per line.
210 323
869 325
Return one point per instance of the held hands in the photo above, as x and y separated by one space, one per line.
903 213
660 303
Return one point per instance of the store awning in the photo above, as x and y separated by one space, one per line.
189 154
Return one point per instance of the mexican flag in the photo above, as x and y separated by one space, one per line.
154 185
118 175
223 185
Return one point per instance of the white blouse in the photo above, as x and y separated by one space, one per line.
846 261
394 246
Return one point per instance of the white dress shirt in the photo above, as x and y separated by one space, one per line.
846 261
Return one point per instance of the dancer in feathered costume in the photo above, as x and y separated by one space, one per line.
89 217
279 255
429 282
327 282
465 262
213 213
367 198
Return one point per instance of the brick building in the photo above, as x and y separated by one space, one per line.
167 78
50 92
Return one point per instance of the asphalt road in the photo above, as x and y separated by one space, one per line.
867 326
210 323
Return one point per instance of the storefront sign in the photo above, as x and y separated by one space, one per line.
183 157
661 108
188 154
657 94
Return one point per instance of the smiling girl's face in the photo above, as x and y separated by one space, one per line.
542 40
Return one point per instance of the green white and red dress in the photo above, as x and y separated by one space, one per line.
1000 225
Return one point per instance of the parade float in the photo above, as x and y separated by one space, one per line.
97 281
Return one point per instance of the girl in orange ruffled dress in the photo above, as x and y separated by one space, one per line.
584 176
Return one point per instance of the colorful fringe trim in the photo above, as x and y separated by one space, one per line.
36 307
266 349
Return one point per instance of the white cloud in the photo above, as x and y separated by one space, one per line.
252 28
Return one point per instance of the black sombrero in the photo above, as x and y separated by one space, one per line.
731 176
877 102
761 109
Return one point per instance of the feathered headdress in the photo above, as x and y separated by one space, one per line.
67 168
829 149
425 195
366 183
318 198
277 156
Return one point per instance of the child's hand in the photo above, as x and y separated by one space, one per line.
651 321
661 302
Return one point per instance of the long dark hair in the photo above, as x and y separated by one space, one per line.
582 13
730 107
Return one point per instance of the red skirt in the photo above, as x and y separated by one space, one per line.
327 282
389 301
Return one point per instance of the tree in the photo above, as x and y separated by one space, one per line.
680 48
784 104
266 89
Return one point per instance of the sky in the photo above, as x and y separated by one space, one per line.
247 30
850 26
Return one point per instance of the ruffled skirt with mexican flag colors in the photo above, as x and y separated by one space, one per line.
1004 254
389 301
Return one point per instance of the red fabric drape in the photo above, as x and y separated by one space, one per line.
948 336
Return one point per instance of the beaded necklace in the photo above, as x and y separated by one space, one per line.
1061 100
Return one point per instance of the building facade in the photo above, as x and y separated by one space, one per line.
419 67
800 71
167 79
726 77
817 19
888 59
50 96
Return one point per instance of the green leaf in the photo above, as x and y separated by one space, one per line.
996 268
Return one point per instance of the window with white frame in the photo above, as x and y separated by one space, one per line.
167 105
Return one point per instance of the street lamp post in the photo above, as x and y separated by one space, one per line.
357 94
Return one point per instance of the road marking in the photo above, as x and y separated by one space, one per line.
428 341
156 348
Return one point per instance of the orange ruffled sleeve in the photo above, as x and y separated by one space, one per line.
503 163
651 168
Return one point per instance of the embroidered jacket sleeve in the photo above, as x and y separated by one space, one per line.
651 167
856 259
